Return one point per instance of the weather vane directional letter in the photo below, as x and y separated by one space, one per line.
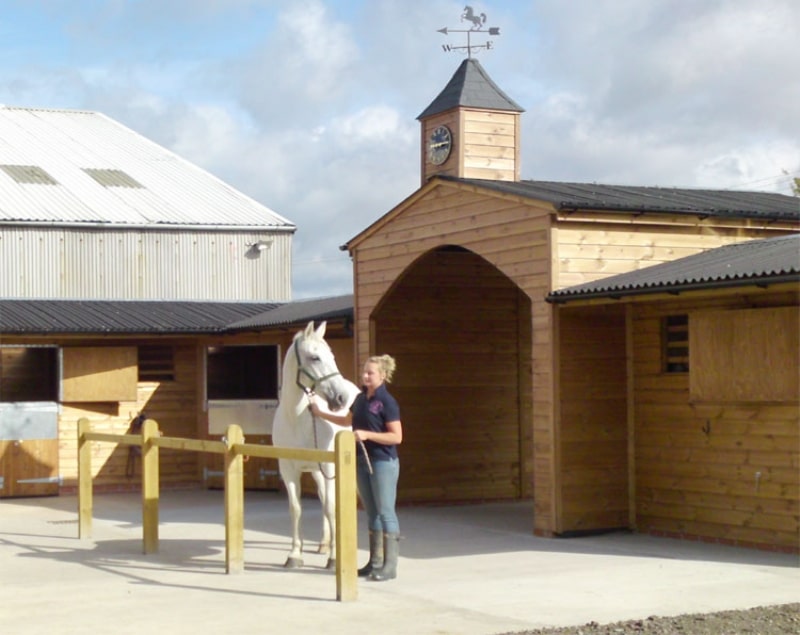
478 22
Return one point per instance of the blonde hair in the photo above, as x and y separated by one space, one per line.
386 364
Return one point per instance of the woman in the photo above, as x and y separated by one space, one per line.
375 418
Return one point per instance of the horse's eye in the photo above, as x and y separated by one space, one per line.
316 358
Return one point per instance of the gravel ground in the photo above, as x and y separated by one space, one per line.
783 619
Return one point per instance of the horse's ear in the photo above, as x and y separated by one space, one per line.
309 329
321 330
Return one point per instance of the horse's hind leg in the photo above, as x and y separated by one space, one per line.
292 482
327 496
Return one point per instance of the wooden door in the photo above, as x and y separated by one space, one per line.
29 449
29 467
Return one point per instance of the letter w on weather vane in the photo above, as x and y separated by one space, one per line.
478 22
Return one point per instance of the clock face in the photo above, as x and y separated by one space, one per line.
439 145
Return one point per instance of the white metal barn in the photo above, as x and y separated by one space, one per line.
90 209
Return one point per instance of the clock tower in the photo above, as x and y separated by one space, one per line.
471 130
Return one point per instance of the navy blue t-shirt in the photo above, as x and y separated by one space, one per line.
373 414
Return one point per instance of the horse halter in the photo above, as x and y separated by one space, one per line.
303 371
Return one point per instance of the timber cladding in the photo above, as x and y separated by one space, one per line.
593 434
715 465
172 404
485 144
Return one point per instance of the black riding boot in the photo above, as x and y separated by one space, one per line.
391 552
375 554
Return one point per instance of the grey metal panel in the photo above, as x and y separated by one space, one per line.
131 264
254 416
28 420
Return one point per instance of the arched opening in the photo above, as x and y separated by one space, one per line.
461 333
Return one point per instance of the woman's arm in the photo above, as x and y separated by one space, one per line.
342 418
392 436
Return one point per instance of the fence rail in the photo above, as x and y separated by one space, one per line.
234 450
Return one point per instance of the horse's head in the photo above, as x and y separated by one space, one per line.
316 367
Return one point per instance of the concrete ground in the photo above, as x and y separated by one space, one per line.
466 570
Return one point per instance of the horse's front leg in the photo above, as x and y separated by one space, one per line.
291 480
326 491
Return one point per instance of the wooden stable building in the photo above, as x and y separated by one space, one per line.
507 392
194 367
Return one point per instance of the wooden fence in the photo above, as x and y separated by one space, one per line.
233 447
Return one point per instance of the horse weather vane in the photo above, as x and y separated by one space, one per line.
478 21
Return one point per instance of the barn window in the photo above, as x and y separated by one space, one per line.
113 178
675 343
156 363
242 372
745 355
28 174
28 373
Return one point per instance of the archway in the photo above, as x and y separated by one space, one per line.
461 333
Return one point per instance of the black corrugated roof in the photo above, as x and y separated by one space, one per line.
629 198
338 307
755 262
34 316
470 87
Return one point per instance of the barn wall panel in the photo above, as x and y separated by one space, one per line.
727 471
173 404
592 384
588 251
128 264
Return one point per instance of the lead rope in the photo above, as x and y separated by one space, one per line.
310 394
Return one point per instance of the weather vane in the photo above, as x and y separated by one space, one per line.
478 22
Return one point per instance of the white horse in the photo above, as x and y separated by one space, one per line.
309 368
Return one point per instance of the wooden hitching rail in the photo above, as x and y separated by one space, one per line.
234 449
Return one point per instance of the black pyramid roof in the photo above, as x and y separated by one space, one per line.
471 87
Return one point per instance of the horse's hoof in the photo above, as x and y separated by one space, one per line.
324 549
293 563
331 566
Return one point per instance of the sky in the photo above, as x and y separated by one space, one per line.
310 106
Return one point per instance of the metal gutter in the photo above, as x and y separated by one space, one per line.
153 226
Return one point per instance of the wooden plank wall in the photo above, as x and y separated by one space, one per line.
728 471
491 145
490 148
592 248
172 404
452 323
593 438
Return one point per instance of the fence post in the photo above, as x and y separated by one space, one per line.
234 501
84 480
346 521
150 487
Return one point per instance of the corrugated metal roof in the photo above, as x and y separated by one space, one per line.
470 87
628 198
300 311
755 262
161 317
68 145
